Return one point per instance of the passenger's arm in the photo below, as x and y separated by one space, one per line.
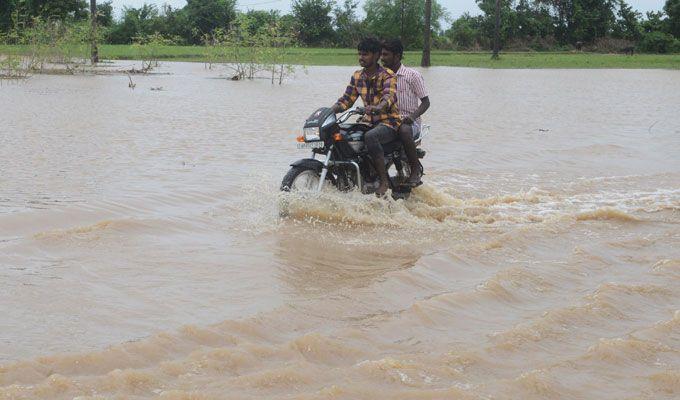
424 105
418 86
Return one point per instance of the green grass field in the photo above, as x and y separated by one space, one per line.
319 56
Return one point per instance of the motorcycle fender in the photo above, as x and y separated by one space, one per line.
308 163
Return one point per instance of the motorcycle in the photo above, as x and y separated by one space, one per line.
344 160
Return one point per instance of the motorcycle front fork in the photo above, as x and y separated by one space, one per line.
329 163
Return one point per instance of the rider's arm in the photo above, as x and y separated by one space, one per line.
349 98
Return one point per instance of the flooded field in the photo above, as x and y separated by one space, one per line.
142 254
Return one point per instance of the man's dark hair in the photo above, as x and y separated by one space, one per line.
370 44
394 46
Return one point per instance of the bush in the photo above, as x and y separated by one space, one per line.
658 42
610 45
57 43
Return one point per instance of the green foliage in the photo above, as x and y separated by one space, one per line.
314 23
659 42
204 16
12 66
104 14
22 12
49 44
591 25
655 22
148 48
252 48
628 25
7 8
136 23
384 19
672 9
599 25
348 28
466 32
259 21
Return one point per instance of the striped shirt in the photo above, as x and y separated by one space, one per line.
381 86
410 89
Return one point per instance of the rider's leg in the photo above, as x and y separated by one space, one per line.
374 139
406 137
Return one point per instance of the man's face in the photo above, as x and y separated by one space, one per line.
367 59
388 58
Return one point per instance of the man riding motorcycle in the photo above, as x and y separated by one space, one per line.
377 87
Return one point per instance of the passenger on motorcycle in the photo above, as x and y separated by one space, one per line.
410 91
377 87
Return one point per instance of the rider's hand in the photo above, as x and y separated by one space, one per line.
407 120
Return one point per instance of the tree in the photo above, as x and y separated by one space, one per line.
105 14
654 22
383 19
260 20
348 27
22 12
530 21
504 15
582 20
628 24
6 10
136 22
175 23
204 16
94 52
497 30
427 34
672 9
55 9
466 32
658 42
314 22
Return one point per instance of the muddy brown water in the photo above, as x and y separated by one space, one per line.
142 254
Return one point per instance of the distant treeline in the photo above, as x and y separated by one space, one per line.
597 25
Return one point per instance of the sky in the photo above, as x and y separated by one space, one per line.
455 7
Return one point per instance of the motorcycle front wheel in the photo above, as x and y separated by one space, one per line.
300 178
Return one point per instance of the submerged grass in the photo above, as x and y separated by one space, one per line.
348 57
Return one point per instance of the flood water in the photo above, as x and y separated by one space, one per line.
142 254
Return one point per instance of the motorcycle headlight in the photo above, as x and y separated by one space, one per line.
311 134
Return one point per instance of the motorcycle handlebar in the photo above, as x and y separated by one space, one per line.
357 111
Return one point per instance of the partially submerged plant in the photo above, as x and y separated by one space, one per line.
249 50
149 49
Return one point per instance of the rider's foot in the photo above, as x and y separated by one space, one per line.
381 190
415 178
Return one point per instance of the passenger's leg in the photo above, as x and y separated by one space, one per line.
406 137
374 139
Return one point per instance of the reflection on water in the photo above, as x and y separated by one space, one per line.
143 253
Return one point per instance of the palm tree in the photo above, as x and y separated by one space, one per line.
94 54
425 62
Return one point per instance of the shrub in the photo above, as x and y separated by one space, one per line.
610 45
657 42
